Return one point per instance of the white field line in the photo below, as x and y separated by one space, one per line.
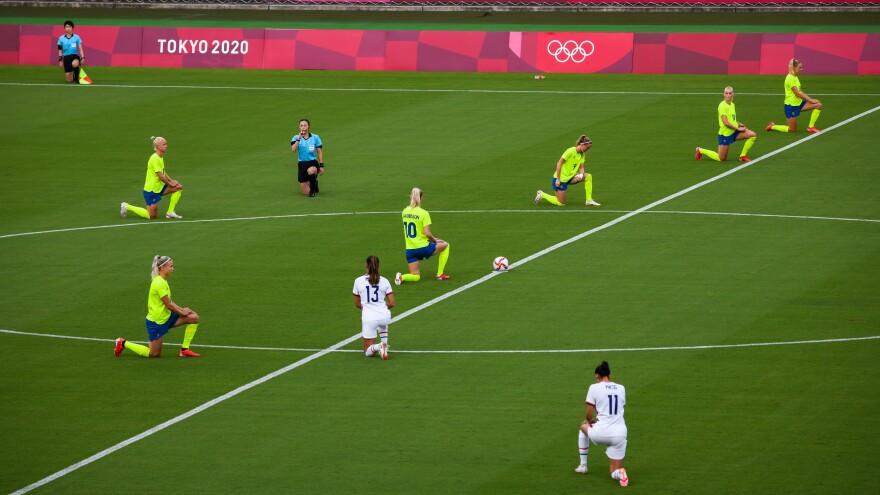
474 351
297 364
419 90
345 213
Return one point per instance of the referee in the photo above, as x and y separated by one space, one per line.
310 154
70 53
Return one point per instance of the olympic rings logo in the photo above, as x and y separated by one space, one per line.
570 50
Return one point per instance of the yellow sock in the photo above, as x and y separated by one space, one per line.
779 128
814 117
141 212
138 349
588 186
410 278
175 197
189 333
551 199
748 146
711 154
444 255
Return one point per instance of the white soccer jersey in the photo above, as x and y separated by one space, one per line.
373 298
608 398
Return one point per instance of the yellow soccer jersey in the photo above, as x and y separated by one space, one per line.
573 162
414 221
156 310
156 164
791 98
730 111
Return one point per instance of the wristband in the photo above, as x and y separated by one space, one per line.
320 165
60 58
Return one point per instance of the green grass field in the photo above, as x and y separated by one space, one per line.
782 251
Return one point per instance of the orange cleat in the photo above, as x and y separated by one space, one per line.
120 345
813 129
698 155
770 126
443 276
744 159
188 353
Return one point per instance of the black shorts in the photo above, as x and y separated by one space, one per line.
304 169
68 62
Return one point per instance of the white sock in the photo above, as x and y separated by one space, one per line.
383 336
583 446
616 475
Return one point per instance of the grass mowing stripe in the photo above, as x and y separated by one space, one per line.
351 339
422 90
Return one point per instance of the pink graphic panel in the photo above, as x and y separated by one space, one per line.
821 53
696 53
580 52
9 43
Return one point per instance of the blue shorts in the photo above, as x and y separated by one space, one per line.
793 111
562 185
157 331
727 140
413 255
153 198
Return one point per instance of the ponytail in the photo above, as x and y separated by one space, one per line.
792 64
155 140
415 198
158 262
373 269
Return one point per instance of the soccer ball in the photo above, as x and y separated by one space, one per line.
500 264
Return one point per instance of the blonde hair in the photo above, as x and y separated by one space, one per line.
158 262
730 88
792 64
415 198
155 140
583 140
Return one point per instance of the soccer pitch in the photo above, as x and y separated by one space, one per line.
741 314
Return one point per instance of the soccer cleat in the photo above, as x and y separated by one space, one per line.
188 353
744 159
770 126
592 203
398 279
311 194
124 209
383 350
699 155
581 469
120 345
624 479
443 276
538 196
813 129
171 214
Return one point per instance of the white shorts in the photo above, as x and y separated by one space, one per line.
614 439
371 329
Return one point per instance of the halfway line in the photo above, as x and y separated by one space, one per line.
403 315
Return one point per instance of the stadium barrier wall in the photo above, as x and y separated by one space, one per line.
452 51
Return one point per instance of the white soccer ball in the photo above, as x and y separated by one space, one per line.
500 264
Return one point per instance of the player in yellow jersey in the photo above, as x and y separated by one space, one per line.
421 244
569 171
162 315
157 184
729 130
796 101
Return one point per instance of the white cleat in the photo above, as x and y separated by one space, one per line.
581 469
383 350
398 279
538 196
171 214
624 479
123 210
592 203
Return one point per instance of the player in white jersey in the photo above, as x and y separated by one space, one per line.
370 292
604 424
